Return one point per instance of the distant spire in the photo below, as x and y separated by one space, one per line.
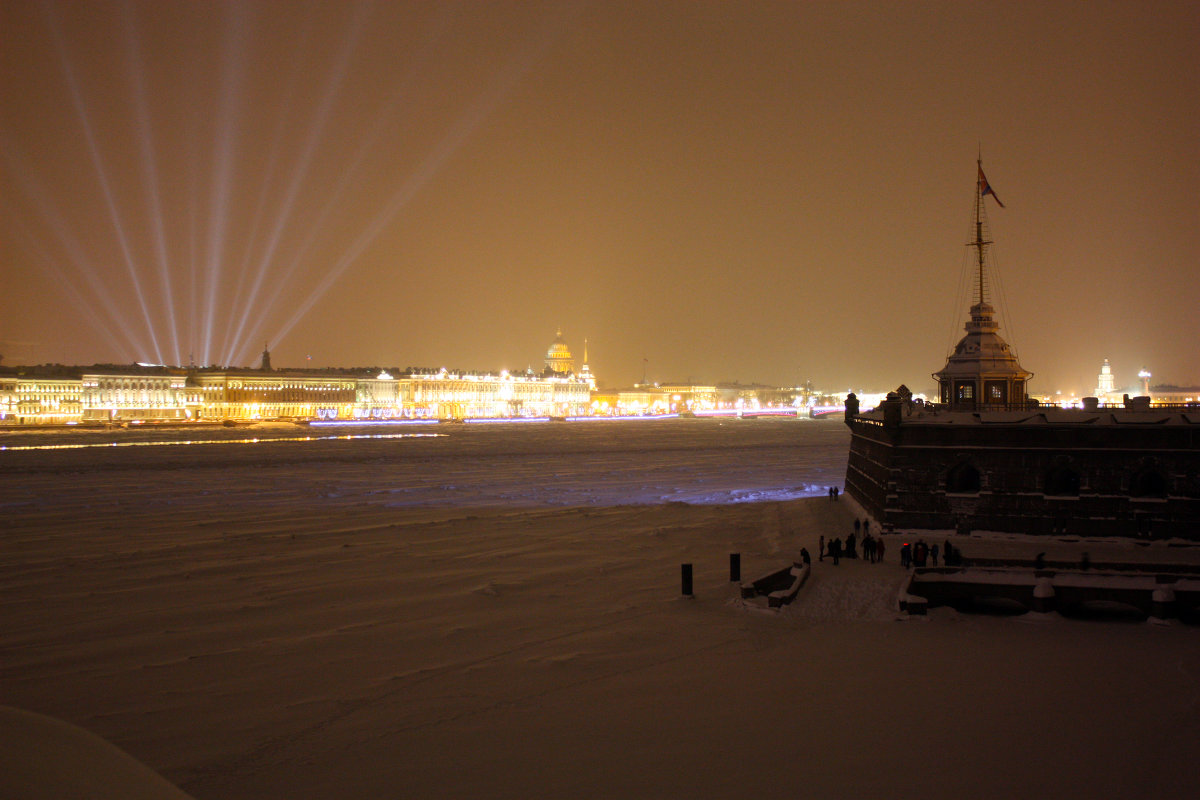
585 372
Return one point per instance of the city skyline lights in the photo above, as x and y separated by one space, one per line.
765 194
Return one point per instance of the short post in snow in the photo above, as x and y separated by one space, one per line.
686 576
735 567
1163 602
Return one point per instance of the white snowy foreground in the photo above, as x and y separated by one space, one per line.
496 613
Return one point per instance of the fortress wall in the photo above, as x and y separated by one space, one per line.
1119 480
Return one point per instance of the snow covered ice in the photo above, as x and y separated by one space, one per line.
495 612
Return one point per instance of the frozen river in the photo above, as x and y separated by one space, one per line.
501 464
494 611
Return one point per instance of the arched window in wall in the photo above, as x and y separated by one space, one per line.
1062 480
1148 482
963 479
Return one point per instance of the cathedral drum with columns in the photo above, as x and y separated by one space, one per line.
559 360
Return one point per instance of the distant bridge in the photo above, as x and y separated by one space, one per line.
745 413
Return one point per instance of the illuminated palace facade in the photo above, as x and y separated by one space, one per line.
66 395
110 394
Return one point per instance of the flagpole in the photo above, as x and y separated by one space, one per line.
979 222
981 188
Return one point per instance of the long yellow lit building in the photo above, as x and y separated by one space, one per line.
111 394
70 396
66 395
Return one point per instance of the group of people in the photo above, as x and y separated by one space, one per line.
920 554
915 554
873 547
834 493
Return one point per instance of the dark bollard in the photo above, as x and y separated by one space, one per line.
1043 596
1163 602
687 579
735 567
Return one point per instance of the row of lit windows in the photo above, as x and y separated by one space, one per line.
134 385
93 397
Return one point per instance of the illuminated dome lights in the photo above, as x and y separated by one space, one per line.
558 357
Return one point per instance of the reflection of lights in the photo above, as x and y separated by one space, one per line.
358 423
783 411
83 445
631 418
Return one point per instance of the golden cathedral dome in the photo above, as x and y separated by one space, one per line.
558 357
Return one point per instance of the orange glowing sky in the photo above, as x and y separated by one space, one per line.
763 191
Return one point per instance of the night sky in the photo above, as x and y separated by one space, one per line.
766 192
